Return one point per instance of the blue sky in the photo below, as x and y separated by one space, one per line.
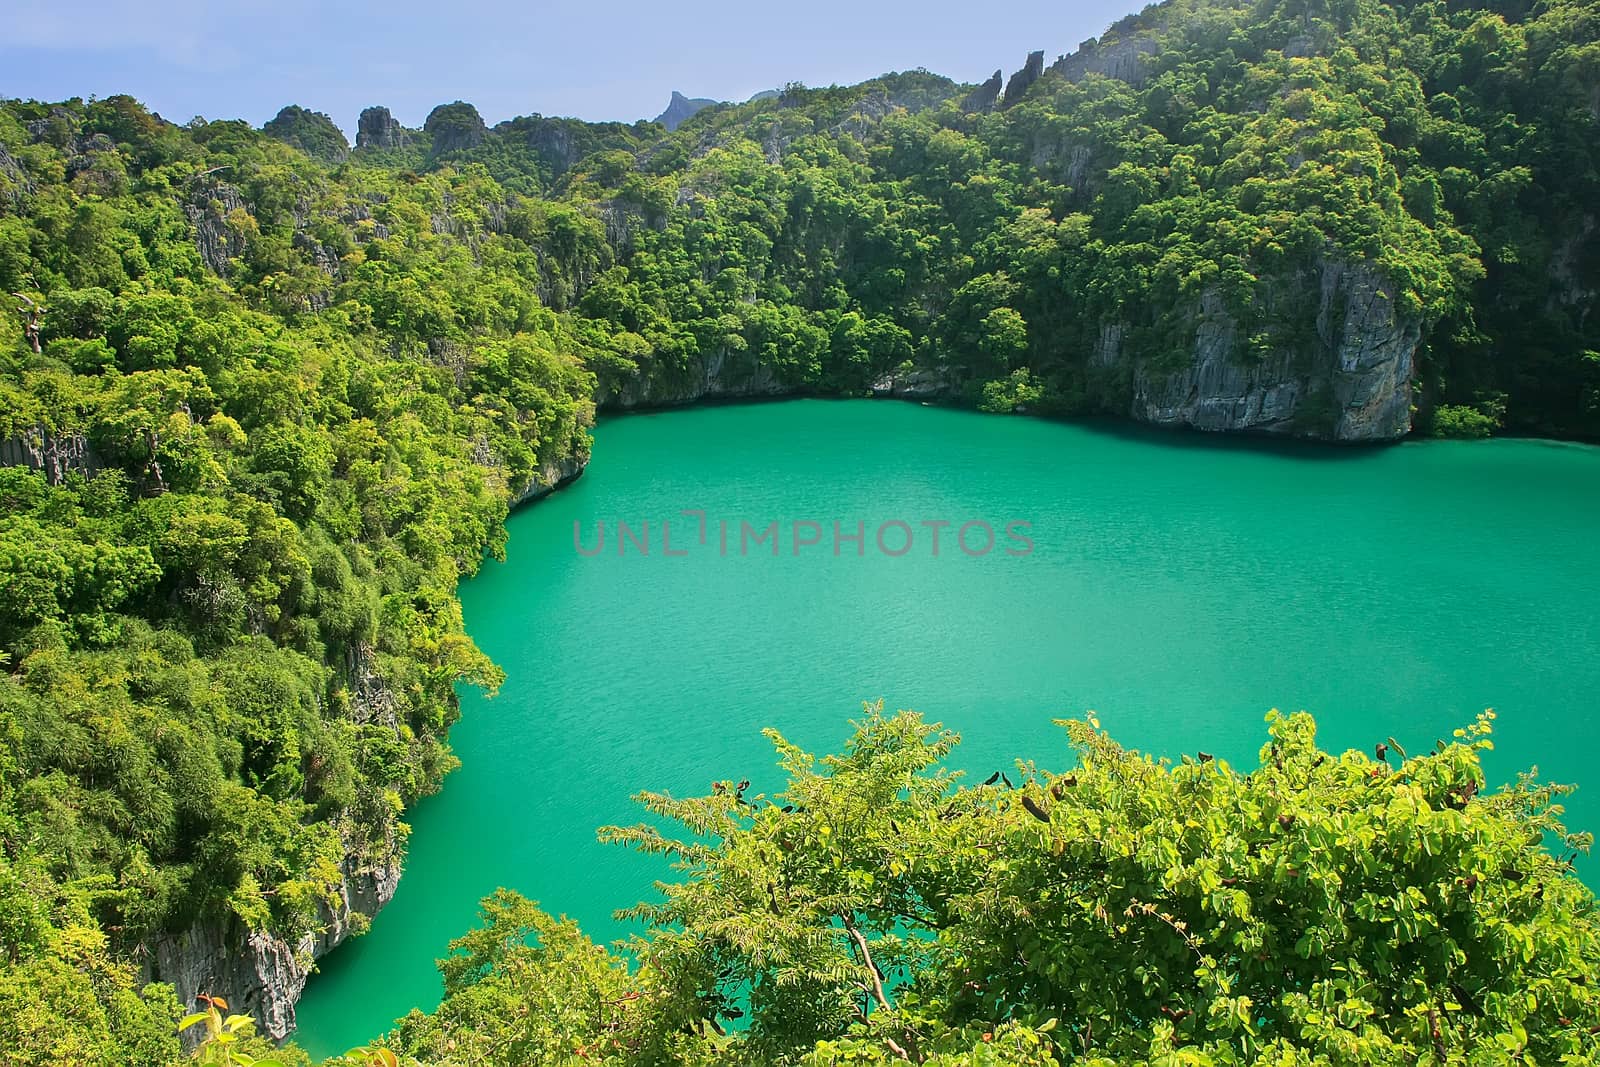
596 60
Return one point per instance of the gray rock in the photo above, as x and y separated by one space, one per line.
257 972
321 256
454 127
1353 384
378 129
310 131
554 143
1023 79
15 184
915 385
984 96
1300 46
1565 264
552 475
208 207
1125 59
681 108
723 375
56 454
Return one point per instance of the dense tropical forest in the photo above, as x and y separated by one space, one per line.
266 399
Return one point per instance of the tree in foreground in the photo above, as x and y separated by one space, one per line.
1319 908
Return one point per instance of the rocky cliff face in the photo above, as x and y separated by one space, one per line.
15 185
984 96
680 108
1023 79
56 455
719 376
1125 59
257 972
378 129
207 208
310 131
915 385
552 476
454 127
1352 383
262 974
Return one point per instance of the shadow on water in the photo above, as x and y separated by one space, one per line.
1184 438
1189 439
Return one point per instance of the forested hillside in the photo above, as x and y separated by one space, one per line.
266 398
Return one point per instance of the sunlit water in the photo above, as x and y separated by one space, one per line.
1179 585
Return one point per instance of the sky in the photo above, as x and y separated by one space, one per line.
225 59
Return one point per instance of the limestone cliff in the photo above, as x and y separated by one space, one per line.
1023 80
1350 382
262 974
722 375
1123 58
680 108
454 127
56 454
378 129
208 208
310 131
553 474
984 96
1347 376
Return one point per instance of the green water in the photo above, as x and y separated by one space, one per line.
1180 586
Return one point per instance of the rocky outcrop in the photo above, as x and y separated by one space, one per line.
681 108
1125 59
454 127
864 115
1023 79
257 972
310 131
320 255
56 454
720 376
1347 378
553 474
378 129
208 207
914 385
15 185
1352 383
984 96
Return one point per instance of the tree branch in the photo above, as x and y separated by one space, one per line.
878 994
872 968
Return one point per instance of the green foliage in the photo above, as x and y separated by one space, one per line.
290 396
226 1038
1317 908
65 999
229 630
1014 393
1458 420
310 131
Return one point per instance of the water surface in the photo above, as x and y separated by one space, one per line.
1180 585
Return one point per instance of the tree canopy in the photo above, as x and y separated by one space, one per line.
1313 908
